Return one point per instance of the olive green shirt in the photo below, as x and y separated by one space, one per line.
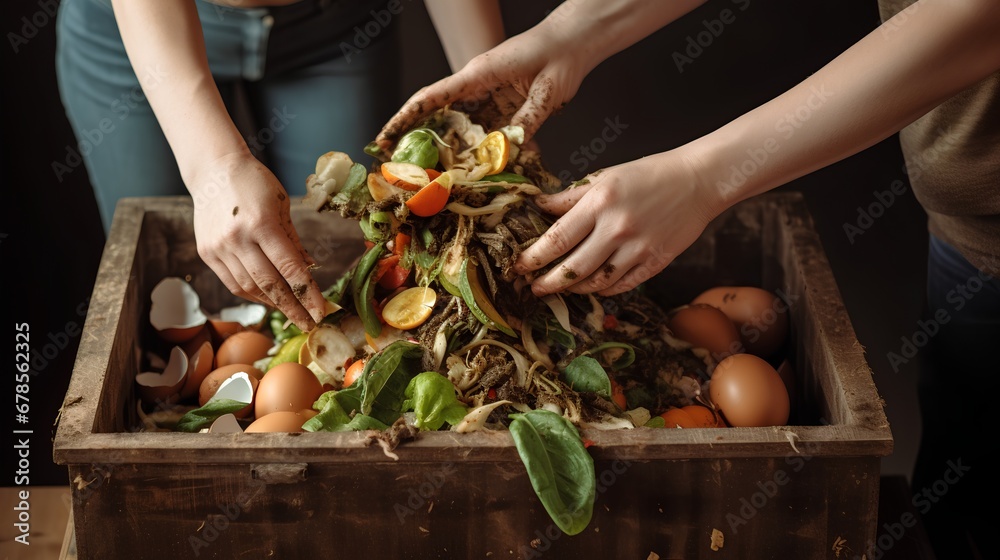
953 161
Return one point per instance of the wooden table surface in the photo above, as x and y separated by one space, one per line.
51 530
51 535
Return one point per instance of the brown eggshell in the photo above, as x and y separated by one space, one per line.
194 344
243 348
165 386
749 392
287 387
706 327
283 421
239 318
787 375
214 379
200 364
760 316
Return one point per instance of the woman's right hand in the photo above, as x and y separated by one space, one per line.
528 76
244 233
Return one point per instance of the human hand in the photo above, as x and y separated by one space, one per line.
526 78
244 233
622 226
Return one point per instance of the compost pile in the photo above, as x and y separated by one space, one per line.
442 276
454 339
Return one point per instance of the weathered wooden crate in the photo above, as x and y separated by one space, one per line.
297 496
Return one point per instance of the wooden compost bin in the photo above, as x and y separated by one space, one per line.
325 495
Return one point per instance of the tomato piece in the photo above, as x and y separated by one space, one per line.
400 244
610 322
618 395
353 372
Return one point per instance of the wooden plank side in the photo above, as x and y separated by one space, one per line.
641 443
768 507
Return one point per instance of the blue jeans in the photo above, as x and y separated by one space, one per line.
954 477
287 87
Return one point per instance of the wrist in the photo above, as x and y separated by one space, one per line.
687 173
213 172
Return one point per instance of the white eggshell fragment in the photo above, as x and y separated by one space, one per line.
176 312
165 385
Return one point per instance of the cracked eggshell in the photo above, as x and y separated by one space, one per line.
164 386
225 424
215 380
239 318
241 387
175 311
200 364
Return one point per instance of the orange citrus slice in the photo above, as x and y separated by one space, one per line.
432 198
405 175
410 308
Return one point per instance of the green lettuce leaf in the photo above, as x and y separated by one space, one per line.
333 418
432 397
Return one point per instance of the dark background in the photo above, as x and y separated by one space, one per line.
51 238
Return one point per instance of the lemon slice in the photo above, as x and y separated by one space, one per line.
494 150
410 308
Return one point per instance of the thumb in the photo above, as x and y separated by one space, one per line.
561 202
538 106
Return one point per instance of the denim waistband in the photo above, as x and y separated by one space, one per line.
249 42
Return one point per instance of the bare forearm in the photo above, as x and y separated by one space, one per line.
166 47
884 82
466 28
597 29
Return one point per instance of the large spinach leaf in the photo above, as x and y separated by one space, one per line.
586 375
560 469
